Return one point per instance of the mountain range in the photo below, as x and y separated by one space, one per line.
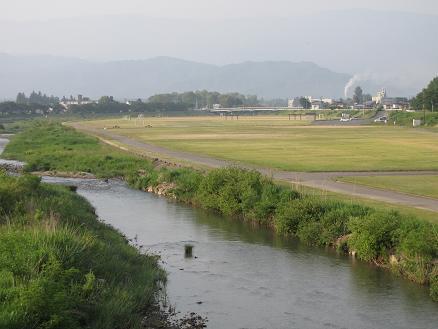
142 78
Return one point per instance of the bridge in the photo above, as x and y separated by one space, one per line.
250 109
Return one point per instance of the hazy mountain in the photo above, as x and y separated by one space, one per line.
142 78
396 50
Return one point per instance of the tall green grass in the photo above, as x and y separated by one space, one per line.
405 118
407 245
62 268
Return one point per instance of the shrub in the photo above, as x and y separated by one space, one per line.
187 184
417 238
291 214
237 192
374 235
334 223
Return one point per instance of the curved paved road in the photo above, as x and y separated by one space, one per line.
320 180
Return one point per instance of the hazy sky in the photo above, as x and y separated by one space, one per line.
46 9
381 40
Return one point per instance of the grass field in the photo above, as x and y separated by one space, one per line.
274 141
419 185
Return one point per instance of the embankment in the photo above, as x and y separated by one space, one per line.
406 245
60 267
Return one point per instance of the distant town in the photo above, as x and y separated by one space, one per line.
40 104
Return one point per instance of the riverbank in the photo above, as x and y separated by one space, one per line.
63 268
406 245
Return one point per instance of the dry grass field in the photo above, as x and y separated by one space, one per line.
276 142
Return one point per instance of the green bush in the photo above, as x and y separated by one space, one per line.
239 192
187 184
374 235
417 238
290 216
335 221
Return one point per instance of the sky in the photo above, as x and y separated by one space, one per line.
379 40
49 9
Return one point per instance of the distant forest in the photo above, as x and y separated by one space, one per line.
204 98
36 98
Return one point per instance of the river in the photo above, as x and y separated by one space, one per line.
246 277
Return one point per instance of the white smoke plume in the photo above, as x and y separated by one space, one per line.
356 78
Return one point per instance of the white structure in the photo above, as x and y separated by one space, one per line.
294 103
317 105
381 95
416 123
329 101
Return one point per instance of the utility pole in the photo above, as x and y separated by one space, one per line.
424 114
431 102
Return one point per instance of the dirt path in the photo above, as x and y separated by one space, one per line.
324 180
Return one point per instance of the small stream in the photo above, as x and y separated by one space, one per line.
244 277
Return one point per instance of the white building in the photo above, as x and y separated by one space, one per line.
329 101
381 95
294 103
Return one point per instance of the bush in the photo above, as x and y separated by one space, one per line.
417 238
291 215
187 184
374 235
335 221
238 192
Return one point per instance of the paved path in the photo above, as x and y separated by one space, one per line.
320 180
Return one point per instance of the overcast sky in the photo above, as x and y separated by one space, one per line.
46 9
382 40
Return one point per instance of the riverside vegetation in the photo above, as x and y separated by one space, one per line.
62 268
405 244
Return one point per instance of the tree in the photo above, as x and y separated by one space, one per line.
428 97
21 98
106 100
305 103
358 95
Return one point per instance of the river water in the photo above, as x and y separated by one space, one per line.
244 277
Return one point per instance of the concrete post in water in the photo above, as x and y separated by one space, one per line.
188 251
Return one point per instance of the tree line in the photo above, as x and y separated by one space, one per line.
428 98
36 98
206 99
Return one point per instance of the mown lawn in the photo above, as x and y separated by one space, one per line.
276 142
426 185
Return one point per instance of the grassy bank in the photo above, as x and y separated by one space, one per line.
405 244
405 118
62 268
